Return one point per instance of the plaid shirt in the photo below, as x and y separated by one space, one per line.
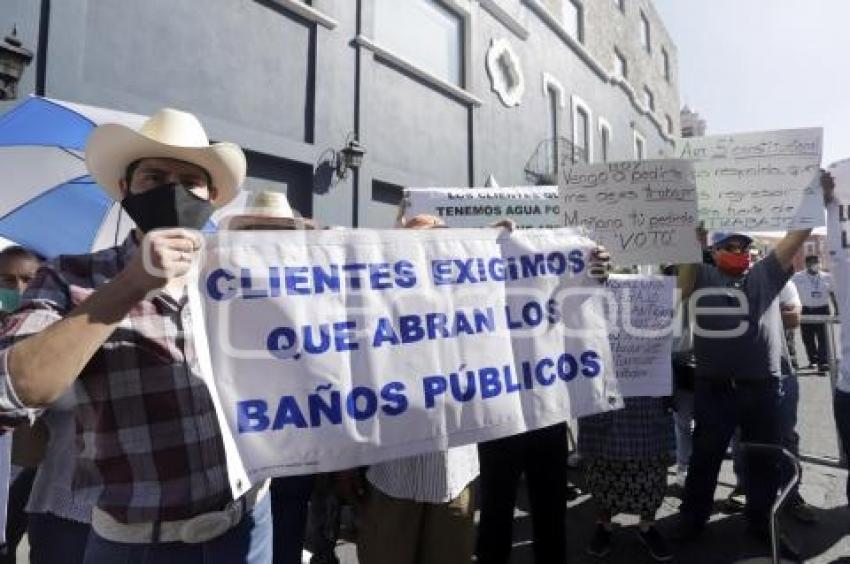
148 439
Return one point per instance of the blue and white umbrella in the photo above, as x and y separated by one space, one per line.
48 203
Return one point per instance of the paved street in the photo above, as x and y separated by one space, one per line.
725 541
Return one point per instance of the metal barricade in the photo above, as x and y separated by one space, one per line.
784 491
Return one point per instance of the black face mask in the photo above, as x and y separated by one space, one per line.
169 205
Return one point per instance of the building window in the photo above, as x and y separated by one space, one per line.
644 32
621 69
665 64
640 147
424 32
582 131
621 5
582 134
572 15
553 97
604 140
648 98
669 125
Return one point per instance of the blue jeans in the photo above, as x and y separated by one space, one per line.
841 408
290 497
249 542
720 407
54 540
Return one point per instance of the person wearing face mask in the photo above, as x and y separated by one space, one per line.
738 339
17 269
116 327
815 289
41 502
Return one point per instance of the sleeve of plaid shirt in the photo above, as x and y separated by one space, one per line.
45 302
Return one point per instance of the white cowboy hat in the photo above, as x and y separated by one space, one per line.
268 208
168 134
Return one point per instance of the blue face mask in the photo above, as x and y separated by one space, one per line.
9 299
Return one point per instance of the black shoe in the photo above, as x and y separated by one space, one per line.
823 368
656 545
734 502
786 549
600 544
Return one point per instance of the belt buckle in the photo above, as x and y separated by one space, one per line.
205 527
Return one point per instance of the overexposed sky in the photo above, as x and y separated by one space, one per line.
749 65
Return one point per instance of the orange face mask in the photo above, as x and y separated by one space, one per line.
734 264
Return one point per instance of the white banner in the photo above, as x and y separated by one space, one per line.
332 349
643 212
528 206
838 240
764 181
642 336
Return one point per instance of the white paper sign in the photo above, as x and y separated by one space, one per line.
838 239
641 336
332 349
643 212
764 181
528 206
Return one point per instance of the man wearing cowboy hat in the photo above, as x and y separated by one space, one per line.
117 327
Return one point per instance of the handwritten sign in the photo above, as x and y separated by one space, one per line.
326 350
766 181
641 333
528 206
643 212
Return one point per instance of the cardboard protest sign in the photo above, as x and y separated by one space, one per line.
528 206
333 349
642 333
644 212
765 181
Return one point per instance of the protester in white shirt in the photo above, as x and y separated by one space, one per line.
418 509
815 288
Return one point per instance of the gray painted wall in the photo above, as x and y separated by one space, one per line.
244 67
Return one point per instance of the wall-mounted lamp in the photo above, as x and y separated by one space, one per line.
13 59
351 157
